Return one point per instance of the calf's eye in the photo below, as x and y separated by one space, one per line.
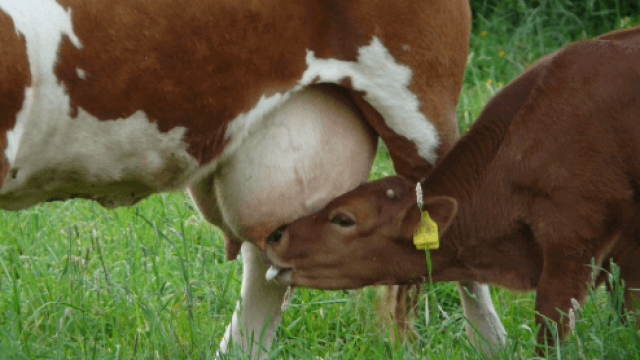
275 236
343 220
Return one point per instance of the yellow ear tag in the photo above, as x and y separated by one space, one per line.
427 234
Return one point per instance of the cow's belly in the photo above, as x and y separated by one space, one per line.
312 149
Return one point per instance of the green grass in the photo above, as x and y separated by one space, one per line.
151 282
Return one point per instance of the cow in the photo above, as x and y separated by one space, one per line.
115 100
545 182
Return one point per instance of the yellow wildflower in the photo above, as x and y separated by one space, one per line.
484 33
489 81
501 54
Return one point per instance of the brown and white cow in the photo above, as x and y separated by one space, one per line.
265 110
546 179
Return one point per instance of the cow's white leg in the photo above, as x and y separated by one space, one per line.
254 322
483 326
261 301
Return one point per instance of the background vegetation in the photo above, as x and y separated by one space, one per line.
151 282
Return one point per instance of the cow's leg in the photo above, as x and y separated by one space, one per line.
397 309
260 308
257 315
483 326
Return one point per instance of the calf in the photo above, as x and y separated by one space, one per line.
546 181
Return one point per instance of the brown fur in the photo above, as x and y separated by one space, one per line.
547 179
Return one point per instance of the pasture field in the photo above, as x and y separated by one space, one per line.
151 282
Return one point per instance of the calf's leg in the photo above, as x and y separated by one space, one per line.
626 257
565 276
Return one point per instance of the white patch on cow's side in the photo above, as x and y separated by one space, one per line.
386 86
42 23
14 135
54 156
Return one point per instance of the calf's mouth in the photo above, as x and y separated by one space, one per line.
282 275
279 272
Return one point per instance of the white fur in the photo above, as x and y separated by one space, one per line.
81 74
385 83
14 135
483 326
255 320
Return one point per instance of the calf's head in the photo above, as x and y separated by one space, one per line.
361 238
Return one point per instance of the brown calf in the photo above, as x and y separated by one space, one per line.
545 181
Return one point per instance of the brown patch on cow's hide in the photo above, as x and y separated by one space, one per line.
15 77
338 32
196 64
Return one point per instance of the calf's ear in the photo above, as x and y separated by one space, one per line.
442 209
